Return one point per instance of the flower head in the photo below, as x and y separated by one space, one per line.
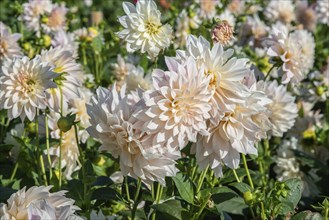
38 203
9 47
24 84
143 29
222 33
112 124
280 10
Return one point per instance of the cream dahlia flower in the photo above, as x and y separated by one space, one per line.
38 203
295 50
65 40
24 84
226 73
33 10
112 124
143 29
236 133
69 76
9 47
178 106
55 20
280 10
283 108
322 8
208 8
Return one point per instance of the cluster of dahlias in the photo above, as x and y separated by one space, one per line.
207 96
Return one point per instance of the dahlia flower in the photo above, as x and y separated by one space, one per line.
228 17
69 76
306 15
322 8
33 10
253 31
284 110
177 108
295 50
9 47
65 40
143 29
234 134
226 73
55 20
38 203
24 84
208 8
280 10
112 124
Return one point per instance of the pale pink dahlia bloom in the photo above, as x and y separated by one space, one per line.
177 108
112 124
9 47
24 84
38 203
283 108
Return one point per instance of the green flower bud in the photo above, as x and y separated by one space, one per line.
319 90
248 197
31 127
65 123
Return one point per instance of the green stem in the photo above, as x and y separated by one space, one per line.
269 73
139 184
127 190
157 198
201 179
236 176
202 207
247 171
60 144
39 151
84 57
14 171
48 147
263 211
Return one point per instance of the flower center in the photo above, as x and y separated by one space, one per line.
3 47
152 28
213 78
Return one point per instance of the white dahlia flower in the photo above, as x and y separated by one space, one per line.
65 40
283 108
112 124
33 10
280 10
38 203
236 133
24 84
69 76
177 108
9 47
226 73
208 8
295 50
55 20
322 8
143 29
227 16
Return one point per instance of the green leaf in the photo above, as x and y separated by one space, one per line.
242 187
289 203
97 44
105 193
185 187
235 205
170 208
307 215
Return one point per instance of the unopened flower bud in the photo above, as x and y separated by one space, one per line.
222 33
46 40
65 123
96 17
248 197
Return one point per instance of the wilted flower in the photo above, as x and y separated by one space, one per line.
9 47
38 203
112 124
283 108
143 29
280 10
222 33
24 84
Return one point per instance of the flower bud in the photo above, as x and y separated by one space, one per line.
46 40
248 197
222 33
65 123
